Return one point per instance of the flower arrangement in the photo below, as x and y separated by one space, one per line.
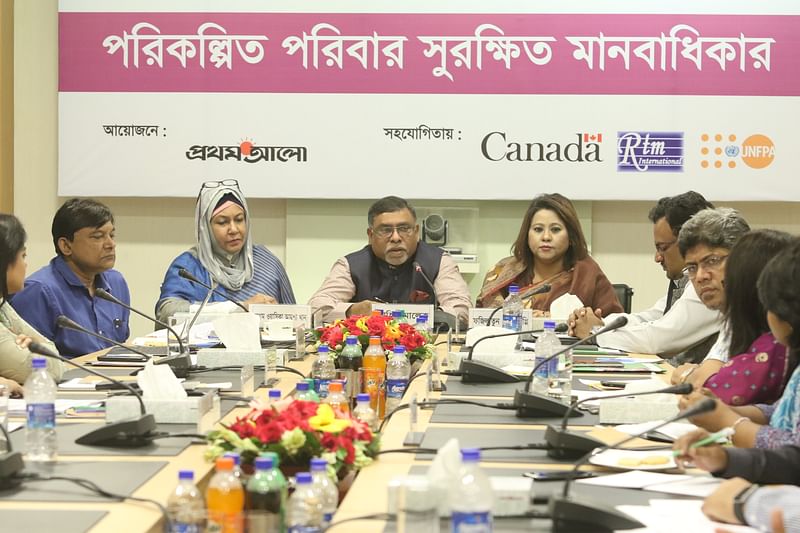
297 431
417 343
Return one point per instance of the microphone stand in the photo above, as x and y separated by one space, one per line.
562 444
179 365
105 295
133 433
570 515
533 405
440 316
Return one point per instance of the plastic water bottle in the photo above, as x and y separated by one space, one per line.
546 345
225 499
326 488
185 506
271 365
323 370
266 498
237 467
304 392
40 398
364 412
305 506
422 323
399 316
471 498
274 395
561 382
512 310
398 370
337 400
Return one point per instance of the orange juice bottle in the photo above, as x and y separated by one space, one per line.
336 398
375 375
225 500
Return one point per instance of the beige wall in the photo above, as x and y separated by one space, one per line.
307 234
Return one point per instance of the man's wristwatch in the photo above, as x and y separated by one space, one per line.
740 500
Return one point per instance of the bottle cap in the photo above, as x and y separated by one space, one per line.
274 394
352 339
549 324
186 474
302 386
39 362
335 386
323 348
235 456
399 349
397 313
265 463
274 456
303 478
362 397
374 339
513 289
224 463
470 455
317 464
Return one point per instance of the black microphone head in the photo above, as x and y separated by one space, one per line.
618 322
683 388
185 274
704 406
544 288
65 322
41 349
104 295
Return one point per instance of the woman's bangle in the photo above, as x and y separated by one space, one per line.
738 421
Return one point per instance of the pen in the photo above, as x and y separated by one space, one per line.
714 438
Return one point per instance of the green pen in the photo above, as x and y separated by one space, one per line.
715 438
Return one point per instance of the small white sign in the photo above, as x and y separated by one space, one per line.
412 311
298 314
479 316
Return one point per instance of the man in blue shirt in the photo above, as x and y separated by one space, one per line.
83 235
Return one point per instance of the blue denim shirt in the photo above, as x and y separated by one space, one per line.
55 290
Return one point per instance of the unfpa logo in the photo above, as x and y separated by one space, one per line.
718 151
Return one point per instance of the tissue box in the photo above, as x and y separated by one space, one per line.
211 357
635 410
189 410
513 495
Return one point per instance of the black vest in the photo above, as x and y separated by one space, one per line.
376 279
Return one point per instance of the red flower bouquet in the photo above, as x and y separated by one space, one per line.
297 431
392 333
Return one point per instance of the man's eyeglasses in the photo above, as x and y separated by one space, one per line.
662 247
710 263
384 232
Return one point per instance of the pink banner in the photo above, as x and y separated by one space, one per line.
430 53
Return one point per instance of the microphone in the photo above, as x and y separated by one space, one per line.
179 365
125 434
532 405
185 274
439 315
541 289
104 295
571 515
566 445
473 371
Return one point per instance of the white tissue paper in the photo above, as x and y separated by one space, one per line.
157 382
643 408
564 305
444 471
239 331
499 352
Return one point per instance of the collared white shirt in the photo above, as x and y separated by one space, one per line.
687 323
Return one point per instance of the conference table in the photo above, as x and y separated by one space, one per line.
154 476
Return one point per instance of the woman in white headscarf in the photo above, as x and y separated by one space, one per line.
224 254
